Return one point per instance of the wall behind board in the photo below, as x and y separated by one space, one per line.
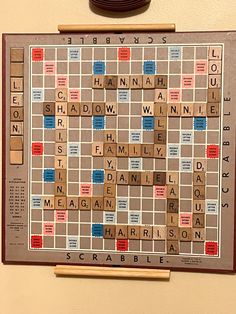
35 290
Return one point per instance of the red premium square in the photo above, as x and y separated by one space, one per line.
211 248
124 54
212 151
37 149
36 242
122 245
37 54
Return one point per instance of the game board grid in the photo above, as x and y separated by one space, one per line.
129 118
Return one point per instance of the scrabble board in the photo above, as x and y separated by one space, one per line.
119 149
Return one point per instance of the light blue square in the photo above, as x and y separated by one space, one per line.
37 94
175 53
74 54
123 95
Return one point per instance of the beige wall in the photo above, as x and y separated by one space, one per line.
34 290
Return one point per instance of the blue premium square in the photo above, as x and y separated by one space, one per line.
49 122
149 67
97 230
98 122
98 176
148 123
200 123
99 68
49 175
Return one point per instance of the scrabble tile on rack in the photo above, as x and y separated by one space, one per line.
160 137
73 109
16 114
61 108
109 190
159 178
61 149
199 178
198 234
160 123
109 163
136 82
60 162
17 54
16 157
109 231
98 108
134 150
110 176
17 84
172 205
98 81
48 202
160 109
148 82
121 232
85 203
146 232
17 128
60 175
17 99
17 69
213 95
109 150
61 94
61 136
147 150
172 220
122 177
174 110
173 247
159 151
185 234
109 136
111 109
110 82
86 109
213 109
97 149
72 203
49 108
97 203
147 178
109 203
198 220
161 81
172 191
134 178
133 232
16 143
172 233
123 82
60 189
199 192
186 110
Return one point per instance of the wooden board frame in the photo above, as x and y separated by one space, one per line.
229 96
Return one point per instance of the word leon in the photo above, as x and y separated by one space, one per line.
129 81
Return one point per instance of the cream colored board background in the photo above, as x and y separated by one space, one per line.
35 290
